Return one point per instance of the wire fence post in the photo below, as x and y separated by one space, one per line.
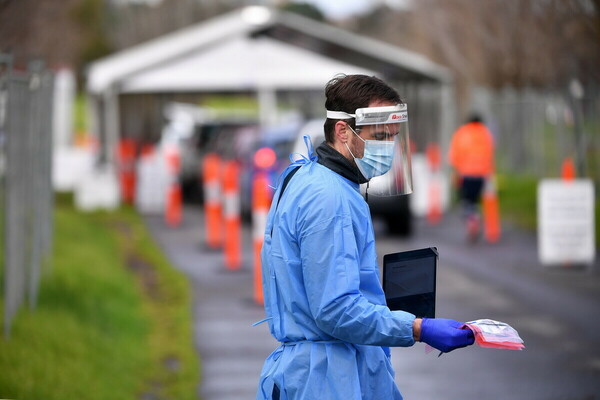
25 181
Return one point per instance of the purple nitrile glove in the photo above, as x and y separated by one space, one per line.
445 334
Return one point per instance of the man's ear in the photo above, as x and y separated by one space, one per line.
341 132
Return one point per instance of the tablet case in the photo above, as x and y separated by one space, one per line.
409 281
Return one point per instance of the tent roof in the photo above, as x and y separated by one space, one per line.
242 63
253 47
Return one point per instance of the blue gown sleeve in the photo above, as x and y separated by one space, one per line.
331 273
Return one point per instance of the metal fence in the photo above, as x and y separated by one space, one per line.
536 130
26 196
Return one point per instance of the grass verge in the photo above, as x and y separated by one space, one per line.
113 318
518 202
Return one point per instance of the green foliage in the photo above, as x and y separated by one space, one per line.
227 103
304 9
80 114
99 330
91 16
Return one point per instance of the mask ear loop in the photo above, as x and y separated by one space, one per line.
352 154
357 135
364 141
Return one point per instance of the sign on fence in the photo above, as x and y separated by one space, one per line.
566 222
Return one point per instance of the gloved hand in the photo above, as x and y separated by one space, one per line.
445 334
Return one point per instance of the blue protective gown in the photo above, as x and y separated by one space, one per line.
323 297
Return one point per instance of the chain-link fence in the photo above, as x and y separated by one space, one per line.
26 196
536 130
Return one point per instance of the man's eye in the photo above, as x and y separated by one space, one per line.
379 135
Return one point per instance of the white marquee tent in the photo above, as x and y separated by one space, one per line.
251 49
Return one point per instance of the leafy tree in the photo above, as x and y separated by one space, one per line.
305 9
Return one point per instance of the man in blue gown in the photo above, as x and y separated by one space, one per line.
323 298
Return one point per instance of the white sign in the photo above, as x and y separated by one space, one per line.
566 222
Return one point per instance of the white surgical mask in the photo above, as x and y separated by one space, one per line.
377 157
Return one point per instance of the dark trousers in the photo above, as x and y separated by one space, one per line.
471 188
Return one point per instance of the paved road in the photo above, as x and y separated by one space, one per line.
554 310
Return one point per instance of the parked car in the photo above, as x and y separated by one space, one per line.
197 131
394 210
235 140
229 140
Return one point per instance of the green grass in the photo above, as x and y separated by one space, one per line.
113 318
518 202
247 103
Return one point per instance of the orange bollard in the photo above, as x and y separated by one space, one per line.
126 164
491 214
434 159
434 156
261 202
211 181
147 150
434 211
568 169
174 200
231 215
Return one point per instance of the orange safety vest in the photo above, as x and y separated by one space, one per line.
472 150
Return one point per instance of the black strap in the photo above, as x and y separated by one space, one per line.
285 183
276 394
283 186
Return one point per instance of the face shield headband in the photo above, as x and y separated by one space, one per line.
374 115
386 157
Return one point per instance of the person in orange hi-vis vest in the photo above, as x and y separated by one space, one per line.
471 154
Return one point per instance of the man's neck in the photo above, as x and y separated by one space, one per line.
338 163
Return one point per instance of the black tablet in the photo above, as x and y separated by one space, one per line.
409 281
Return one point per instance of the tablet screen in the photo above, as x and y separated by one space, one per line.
409 281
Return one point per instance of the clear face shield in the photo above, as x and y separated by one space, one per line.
385 160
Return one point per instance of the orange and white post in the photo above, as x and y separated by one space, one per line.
434 208
211 184
261 202
173 201
126 157
231 215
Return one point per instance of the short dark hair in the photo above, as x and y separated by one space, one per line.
348 92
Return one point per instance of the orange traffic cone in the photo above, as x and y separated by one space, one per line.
434 156
231 215
211 178
173 203
568 169
261 202
491 213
